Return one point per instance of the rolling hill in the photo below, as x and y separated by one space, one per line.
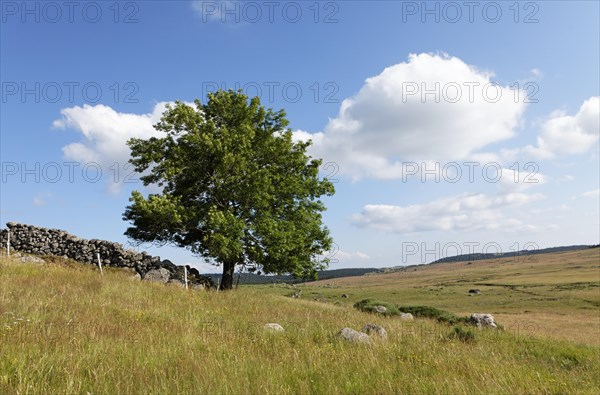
64 328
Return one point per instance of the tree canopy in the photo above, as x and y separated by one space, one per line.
236 189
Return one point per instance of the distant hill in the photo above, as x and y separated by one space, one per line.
477 257
250 278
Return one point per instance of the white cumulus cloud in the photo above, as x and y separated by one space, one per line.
462 212
431 108
563 134
105 132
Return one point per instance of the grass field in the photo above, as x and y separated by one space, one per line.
65 329
551 295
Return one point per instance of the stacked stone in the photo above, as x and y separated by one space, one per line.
41 241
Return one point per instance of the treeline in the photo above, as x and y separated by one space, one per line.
251 278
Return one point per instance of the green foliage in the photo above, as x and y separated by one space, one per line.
235 188
462 334
417 311
368 305
433 313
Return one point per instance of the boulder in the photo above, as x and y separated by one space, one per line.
354 336
370 329
31 259
320 298
157 275
295 294
168 264
273 327
407 317
380 309
482 320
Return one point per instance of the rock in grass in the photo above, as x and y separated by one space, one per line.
376 330
354 336
161 275
32 259
273 327
295 294
407 317
380 309
482 320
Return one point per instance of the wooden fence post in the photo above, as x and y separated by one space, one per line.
185 276
99 263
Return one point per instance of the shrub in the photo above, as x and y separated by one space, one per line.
433 313
462 334
369 306
417 311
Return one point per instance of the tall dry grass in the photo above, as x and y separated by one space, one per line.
64 329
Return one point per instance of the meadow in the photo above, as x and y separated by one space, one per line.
554 295
66 329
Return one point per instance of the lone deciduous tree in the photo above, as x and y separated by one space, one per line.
235 188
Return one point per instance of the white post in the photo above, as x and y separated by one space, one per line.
8 244
99 263
185 276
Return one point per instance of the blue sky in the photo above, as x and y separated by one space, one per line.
391 93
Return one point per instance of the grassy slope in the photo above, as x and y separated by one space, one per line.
64 329
553 295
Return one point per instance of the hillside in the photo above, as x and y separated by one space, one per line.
66 329
544 295
513 254
251 278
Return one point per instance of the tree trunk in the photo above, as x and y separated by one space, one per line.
227 277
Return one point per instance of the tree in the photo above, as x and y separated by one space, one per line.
236 189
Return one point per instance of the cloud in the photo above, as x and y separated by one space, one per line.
462 212
536 73
563 134
595 194
38 201
344 256
565 178
518 180
393 118
105 132
41 198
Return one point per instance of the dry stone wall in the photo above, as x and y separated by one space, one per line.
41 241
